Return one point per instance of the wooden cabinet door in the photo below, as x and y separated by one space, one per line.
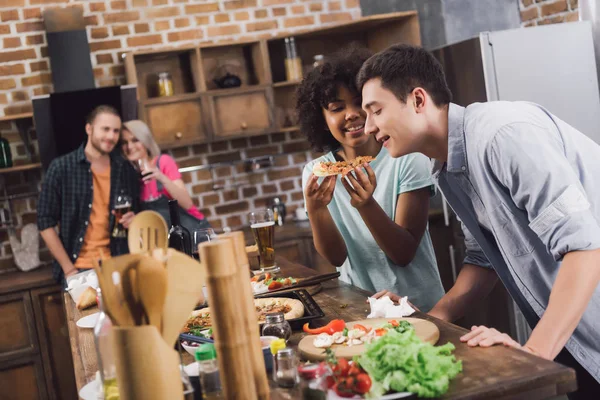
316 261
55 346
23 379
17 326
241 114
176 123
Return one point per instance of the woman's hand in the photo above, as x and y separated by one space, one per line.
319 196
361 186
153 173
393 297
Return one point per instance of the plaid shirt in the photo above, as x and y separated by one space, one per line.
66 200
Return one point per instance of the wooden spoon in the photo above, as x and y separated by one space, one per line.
148 231
152 287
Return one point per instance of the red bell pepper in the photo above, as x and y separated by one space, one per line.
336 325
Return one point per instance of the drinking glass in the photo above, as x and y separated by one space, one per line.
143 167
200 236
262 224
122 206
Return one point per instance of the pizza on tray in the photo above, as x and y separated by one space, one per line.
328 168
291 309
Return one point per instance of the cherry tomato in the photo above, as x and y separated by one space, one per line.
341 368
267 276
394 323
330 380
362 383
287 282
354 370
341 390
361 327
380 332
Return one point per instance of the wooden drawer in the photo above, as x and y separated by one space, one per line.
292 250
176 123
23 379
241 113
17 326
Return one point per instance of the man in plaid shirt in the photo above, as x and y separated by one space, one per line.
78 195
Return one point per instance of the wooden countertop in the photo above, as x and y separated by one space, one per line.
17 281
495 372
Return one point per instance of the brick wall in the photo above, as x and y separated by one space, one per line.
542 12
115 26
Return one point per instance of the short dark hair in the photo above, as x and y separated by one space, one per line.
402 68
320 87
101 109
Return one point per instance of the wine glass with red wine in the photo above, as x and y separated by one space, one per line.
200 236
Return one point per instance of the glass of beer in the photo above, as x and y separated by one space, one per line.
122 207
262 224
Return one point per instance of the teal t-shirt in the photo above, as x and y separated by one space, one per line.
367 265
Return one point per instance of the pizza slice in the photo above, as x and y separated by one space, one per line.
329 168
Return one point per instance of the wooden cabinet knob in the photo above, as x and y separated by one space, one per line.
244 125
178 135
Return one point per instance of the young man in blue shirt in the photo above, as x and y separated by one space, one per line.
525 186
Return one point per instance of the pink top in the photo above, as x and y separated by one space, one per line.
169 168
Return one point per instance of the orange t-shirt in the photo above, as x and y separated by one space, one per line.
97 237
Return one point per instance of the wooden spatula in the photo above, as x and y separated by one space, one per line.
185 281
152 287
109 278
148 231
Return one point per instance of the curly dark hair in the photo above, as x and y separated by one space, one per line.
320 87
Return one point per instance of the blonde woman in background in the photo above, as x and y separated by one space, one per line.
161 179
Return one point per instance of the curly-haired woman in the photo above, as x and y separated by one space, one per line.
375 226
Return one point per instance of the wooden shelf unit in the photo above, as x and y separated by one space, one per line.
200 111
20 168
15 117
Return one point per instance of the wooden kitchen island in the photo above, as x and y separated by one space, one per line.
496 372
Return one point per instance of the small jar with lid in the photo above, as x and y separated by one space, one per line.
276 325
165 84
286 371
319 60
313 380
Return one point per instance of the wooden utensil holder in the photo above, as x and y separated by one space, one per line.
147 368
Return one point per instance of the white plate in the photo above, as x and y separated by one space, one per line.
89 391
332 396
88 321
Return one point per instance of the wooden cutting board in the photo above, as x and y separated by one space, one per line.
425 330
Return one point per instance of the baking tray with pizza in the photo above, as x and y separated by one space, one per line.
298 307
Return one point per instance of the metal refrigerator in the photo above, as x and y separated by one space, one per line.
552 65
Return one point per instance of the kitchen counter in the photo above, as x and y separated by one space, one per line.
496 372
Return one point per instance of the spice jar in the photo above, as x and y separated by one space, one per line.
276 325
165 84
275 346
313 381
286 373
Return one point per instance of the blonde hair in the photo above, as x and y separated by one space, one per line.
140 130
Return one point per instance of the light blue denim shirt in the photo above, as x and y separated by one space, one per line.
526 187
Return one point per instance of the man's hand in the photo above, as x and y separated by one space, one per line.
486 337
361 186
126 219
319 196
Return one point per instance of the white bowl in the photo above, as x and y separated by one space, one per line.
190 349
